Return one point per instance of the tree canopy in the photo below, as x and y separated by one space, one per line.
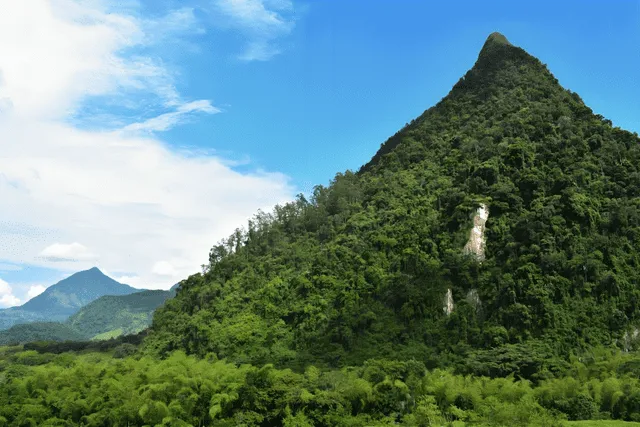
360 268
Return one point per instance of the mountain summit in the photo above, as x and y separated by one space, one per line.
497 38
68 295
504 221
63 299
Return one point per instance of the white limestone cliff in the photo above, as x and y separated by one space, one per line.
476 243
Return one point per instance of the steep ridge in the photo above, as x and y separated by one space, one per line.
361 269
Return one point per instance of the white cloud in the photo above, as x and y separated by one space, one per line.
59 252
5 288
164 268
261 21
56 53
168 120
50 59
35 290
124 194
7 299
134 281
175 21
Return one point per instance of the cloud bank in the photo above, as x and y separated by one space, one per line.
7 299
118 197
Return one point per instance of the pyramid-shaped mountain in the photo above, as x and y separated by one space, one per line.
504 219
63 299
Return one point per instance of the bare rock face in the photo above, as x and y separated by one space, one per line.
475 245
448 303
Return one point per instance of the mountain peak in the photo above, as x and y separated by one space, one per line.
497 38
499 69
496 43
92 274
93 270
68 295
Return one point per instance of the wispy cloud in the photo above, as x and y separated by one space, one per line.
119 198
10 267
168 120
263 23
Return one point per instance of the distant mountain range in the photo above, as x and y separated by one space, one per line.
65 298
86 305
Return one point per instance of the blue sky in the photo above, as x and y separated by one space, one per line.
186 117
352 73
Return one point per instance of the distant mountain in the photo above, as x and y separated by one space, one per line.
112 316
64 298
39 331
107 317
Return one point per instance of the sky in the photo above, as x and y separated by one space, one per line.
136 134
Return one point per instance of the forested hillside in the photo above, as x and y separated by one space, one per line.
361 269
39 331
111 316
480 270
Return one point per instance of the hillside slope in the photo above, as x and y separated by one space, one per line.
111 316
375 266
61 300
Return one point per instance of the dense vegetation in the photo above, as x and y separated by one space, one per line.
329 310
361 268
111 316
39 331
109 388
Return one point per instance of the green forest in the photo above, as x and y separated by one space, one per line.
358 305
117 385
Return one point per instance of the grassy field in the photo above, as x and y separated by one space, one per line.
109 334
601 423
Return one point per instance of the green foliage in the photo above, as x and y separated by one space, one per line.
328 311
360 269
30 332
56 347
602 423
113 315
95 389
120 388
